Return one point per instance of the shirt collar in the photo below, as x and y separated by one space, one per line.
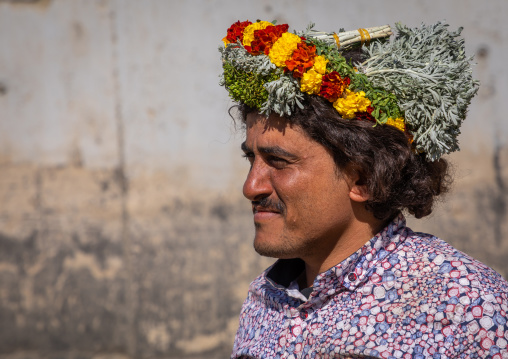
361 265
351 272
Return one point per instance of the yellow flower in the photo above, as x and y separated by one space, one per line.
225 40
320 64
248 32
311 82
353 102
398 123
283 48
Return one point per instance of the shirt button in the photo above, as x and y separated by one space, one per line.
351 277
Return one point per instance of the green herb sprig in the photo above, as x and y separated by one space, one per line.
384 102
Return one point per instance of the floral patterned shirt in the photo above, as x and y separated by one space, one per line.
402 295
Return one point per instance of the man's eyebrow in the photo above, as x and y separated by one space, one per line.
270 150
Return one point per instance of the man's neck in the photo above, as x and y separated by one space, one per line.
341 249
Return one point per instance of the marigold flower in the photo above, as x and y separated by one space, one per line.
351 104
311 82
235 32
265 38
248 32
320 63
366 116
283 48
302 59
397 123
333 86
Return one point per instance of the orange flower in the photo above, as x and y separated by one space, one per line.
265 38
333 86
302 59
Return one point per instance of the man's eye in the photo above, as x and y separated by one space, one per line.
277 161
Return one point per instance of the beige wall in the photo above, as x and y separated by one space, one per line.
123 232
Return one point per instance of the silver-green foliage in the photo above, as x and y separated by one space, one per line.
283 94
428 71
237 56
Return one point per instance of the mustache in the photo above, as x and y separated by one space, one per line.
269 204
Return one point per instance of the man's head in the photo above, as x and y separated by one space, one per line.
302 202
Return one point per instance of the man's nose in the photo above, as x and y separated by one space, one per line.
258 184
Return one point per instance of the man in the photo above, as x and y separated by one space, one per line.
330 176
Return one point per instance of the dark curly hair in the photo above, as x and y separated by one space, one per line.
396 178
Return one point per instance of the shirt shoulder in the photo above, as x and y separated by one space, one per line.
463 302
434 260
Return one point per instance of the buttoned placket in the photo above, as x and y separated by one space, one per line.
296 322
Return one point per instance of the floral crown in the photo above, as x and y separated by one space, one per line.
421 82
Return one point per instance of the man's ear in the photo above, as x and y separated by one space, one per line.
359 192
357 188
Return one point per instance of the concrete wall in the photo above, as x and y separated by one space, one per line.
123 233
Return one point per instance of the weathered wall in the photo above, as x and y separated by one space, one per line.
123 233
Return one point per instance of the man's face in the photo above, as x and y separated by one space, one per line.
300 201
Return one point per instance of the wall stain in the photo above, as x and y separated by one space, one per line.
498 201
32 4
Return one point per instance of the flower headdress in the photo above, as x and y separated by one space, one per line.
421 82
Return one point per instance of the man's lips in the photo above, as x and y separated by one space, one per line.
262 213
257 208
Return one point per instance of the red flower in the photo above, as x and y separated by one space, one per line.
235 32
332 86
302 59
265 38
366 116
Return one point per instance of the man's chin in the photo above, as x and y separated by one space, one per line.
273 249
